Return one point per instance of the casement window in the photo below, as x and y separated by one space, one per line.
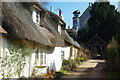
62 55
37 57
40 57
36 16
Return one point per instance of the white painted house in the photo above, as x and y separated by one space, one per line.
32 41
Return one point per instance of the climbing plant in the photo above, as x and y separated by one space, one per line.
14 60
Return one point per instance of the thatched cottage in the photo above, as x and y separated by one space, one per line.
32 40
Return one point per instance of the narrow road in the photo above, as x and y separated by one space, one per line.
89 69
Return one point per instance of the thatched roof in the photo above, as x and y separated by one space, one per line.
69 39
61 21
18 23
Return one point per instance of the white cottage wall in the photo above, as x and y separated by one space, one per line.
4 50
54 58
66 52
0 53
0 44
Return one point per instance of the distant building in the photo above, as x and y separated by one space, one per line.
79 22
84 18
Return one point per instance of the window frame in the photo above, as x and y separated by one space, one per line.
40 61
36 16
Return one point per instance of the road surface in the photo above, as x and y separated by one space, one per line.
90 69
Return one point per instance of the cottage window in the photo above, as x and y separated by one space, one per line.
59 29
62 55
42 57
36 16
37 57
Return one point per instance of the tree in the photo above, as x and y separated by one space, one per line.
104 21
83 35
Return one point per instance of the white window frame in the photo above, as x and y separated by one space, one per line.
43 53
36 16
39 59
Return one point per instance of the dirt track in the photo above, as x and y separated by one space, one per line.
89 69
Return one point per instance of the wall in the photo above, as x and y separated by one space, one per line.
54 58
5 51
84 18
0 44
66 52
0 53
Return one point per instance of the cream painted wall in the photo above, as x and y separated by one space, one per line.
4 50
66 52
54 58
0 53
0 44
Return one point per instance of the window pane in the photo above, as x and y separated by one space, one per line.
36 55
41 56
37 20
36 16
41 61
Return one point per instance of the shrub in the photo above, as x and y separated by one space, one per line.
65 62
68 64
79 60
113 59
113 56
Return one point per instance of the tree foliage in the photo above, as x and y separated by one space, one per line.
104 21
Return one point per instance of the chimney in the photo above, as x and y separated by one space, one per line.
68 27
51 9
60 13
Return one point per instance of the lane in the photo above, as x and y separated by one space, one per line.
90 69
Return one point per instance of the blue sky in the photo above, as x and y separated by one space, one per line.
68 8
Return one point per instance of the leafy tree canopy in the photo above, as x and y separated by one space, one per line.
104 21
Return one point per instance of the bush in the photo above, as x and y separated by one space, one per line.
113 56
113 59
65 62
68 64
79 60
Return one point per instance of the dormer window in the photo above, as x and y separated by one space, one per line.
59 29
36 16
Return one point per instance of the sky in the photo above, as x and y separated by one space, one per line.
68 8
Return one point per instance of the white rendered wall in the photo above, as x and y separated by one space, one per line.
66 52
4 50
54 58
